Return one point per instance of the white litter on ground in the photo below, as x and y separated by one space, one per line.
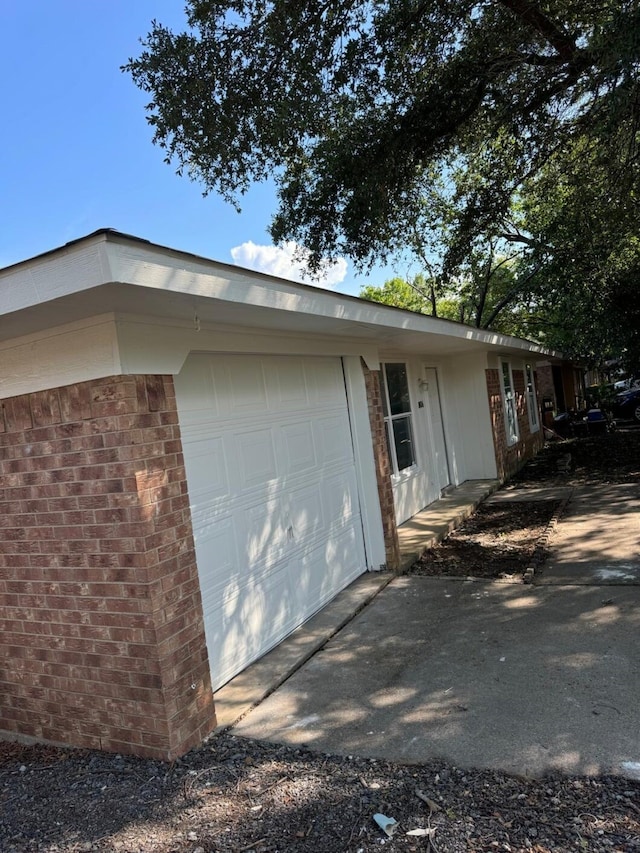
631 769
618 574
305 721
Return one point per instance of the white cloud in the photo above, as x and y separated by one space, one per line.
288 261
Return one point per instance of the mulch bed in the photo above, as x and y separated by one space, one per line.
238 795
501 541
610 458
498 541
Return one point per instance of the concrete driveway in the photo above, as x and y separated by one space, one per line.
525 679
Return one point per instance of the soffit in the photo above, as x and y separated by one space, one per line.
109 272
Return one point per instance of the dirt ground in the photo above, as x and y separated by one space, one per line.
497 541
238 795
502 541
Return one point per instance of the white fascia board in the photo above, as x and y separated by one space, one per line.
62 272
146 266
108 257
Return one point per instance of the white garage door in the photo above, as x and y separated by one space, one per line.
273 496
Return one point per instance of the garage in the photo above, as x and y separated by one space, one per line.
273 495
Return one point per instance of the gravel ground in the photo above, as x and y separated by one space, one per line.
239 795
498 541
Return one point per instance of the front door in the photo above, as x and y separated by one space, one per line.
415 436
440 474
398 404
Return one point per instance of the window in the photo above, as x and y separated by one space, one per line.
532 400
509 397
396 406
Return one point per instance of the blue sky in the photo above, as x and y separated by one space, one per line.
76 152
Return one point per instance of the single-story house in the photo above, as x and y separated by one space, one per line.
196 457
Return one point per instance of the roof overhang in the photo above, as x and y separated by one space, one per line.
110 272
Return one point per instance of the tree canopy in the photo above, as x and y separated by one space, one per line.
490 292
441 125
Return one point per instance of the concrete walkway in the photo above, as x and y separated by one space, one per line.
261 678
526 679
436 521
598 538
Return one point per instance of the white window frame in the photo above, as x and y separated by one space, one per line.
509 403
532 399
398 475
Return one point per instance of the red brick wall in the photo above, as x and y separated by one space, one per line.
102 640
544 377
510 458
383 467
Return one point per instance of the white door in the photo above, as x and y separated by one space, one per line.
405 439
439 464
273 496
415 436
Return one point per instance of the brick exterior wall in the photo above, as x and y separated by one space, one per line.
383 467
102 641
544 377
510 458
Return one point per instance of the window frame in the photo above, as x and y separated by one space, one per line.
389 419
532 398
509 403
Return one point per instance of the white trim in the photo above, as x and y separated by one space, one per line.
76 352
108 271
370 511
532 398
509 404
148 345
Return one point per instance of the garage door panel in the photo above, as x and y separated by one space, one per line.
288 385
326 381
246 387
255 458
273 496
329 433
268 608
218 552
262 533
209 481
298 447
199 395
306 512
330 565
237 635
340 499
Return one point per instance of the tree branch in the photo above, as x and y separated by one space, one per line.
510 296
530 14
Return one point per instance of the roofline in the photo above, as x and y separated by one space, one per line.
112 235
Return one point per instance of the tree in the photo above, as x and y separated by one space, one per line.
410 295
490 293
381 121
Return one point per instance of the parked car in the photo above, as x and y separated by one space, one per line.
627 384
627 405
